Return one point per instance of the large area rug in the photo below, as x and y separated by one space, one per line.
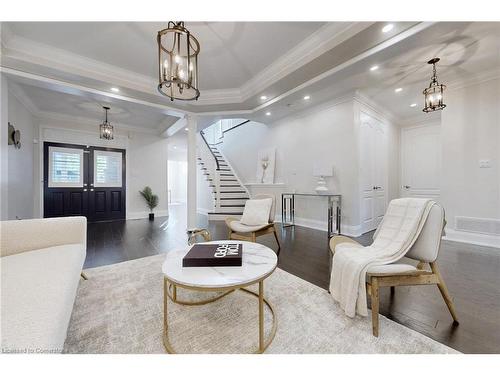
119 309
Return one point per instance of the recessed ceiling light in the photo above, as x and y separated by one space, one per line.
175 147
263 97
387 28
268 113
115 89
413 105
374 67
307 97
399 89
186 129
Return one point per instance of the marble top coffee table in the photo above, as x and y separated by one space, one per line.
258 262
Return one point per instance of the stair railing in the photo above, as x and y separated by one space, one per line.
210 149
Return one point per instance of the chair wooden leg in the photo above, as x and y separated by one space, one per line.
444 292
375 305
254 238
84 277
393 290
278 241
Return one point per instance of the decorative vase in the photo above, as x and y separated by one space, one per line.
151 217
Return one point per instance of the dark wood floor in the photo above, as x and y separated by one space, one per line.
472 274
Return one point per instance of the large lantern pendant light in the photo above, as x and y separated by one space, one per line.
178 62
434 93
106 129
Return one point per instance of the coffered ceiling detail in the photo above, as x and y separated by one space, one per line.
240 64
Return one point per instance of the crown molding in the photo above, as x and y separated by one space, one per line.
364 100
322 40
221 96
421 119
46 116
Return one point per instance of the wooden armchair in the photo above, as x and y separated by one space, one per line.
239 231
425 250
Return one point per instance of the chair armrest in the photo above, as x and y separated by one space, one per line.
18 236
337 240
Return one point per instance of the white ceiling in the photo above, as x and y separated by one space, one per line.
121 114
283 61
231 52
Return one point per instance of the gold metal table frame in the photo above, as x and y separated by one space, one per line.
170 292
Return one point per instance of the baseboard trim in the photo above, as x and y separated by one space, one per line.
472 238
145 214
348 230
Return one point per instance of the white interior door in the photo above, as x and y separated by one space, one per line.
421 161
373 168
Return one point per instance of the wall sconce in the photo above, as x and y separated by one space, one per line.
14 136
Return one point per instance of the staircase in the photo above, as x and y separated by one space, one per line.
229 194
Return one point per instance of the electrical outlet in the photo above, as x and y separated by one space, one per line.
485 163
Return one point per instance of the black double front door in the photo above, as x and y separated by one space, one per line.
83 180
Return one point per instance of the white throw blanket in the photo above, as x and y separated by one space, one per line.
395 236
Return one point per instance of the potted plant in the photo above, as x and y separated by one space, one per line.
151 200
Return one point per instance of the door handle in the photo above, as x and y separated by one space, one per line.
406 186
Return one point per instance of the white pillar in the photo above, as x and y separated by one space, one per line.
192 126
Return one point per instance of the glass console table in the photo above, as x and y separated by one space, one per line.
334 204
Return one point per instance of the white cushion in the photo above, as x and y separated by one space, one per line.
395 268
237 226
38 291
256 211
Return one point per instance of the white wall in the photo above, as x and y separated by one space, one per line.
146 160
21 162
4 161
177 180
470 133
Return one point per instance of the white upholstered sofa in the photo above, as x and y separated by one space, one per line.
41 262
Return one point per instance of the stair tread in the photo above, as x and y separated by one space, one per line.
232 192
225 213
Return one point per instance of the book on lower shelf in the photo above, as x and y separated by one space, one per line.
214 255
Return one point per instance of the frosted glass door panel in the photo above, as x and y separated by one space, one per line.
65 167
107 169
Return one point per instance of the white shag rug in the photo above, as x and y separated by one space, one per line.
119 309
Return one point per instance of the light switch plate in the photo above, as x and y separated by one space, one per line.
485 163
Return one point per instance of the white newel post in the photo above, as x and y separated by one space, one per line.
192 126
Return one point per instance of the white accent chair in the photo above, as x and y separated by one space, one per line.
425 250
41 262
240 231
